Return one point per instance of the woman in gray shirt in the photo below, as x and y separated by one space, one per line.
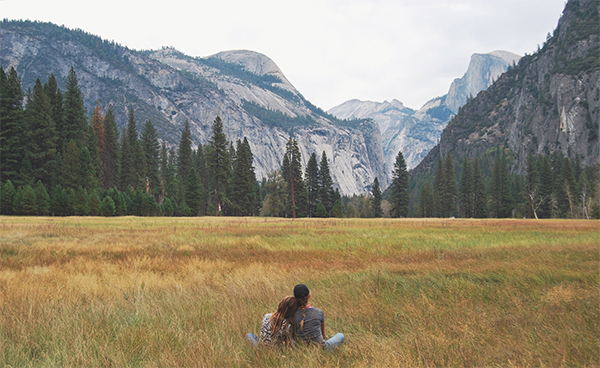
309 322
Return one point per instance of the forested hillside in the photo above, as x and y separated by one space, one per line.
533 134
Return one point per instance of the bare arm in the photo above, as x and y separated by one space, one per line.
323 330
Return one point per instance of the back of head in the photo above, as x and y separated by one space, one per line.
285 312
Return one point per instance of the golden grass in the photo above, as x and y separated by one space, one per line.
183 292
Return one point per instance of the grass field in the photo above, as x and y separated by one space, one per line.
183 292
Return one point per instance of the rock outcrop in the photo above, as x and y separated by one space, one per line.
416 132
549 102
246 89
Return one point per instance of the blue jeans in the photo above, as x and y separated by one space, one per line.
335 341
252 338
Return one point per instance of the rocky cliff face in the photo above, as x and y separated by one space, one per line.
549 102
416 132
246 89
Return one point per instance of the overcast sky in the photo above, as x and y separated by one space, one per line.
331 50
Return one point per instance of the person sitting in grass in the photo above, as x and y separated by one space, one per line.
276 328
309 322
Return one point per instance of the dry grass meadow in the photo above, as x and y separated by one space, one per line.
164 292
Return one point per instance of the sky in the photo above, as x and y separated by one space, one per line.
330 50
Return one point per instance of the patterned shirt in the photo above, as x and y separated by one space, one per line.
266 338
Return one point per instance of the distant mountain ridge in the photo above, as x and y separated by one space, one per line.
548 103
415 132
246 89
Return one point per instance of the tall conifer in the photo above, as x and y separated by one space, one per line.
312 184
291 169
219 162
74 111
326 192
42 135
151 149
376 210
110 158
399 196
466 189
12 127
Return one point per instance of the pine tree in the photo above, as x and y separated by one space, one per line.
125 160
151 149
42 135
219 162
42 199
448 194
7 199
137 173
97 123
376 210
479 198
164 161
312 184
110 158
57 112
338 209
500 189
12 127
91 143
184 153
28 203
326 192
74 111
86 177
71 166
107 207
201 168
426 207
60 202
291 169
466 189
399 196
243 193
438 187
193 192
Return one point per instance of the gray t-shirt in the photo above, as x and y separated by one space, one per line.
311 333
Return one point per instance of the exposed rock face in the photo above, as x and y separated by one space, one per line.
483 70
549 102
246 89
416 132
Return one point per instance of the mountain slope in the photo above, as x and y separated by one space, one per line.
416 132
247 89
549 102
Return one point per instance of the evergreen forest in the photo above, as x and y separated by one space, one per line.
57 160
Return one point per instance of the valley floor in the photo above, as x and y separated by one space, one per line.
133 291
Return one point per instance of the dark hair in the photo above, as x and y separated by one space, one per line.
283 318
301 291
302 302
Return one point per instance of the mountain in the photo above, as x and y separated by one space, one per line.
416 132
549 102
246 89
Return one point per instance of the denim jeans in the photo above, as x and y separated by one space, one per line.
252 338
335 341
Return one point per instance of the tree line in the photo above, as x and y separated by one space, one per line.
553 187
56 161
